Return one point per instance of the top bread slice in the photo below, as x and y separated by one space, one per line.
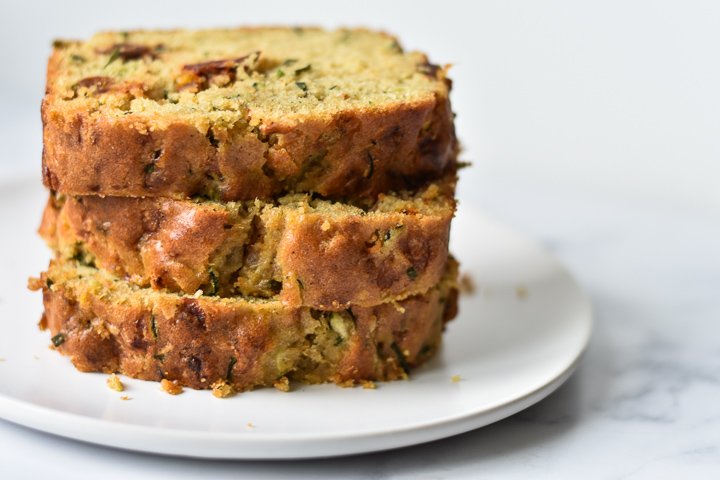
239 114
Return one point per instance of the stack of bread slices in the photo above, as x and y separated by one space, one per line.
244 207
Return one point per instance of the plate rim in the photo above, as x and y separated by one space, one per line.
94 430
434 430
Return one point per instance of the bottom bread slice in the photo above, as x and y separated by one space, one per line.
106 324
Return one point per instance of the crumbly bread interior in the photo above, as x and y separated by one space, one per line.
106 324
86 281
237 219
241 248
219 77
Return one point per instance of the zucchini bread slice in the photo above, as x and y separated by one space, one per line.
239 114
310 252
106 324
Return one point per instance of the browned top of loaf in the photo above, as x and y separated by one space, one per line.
243 113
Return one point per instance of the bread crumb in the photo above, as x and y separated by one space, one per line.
141 128
368 385
100 327
282 384
170 387
250 425
2 359
222 389
467 284
521 292
125 397
431 193
398 307
35 283
114 383
325 226
455 379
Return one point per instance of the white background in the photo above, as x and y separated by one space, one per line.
594 128
620 96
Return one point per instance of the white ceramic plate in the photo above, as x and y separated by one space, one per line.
518 337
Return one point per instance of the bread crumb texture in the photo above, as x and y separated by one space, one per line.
262 249
110 325
114 383
171 387
236 208
282 384
222 389
224 76
246 113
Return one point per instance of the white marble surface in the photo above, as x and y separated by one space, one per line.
643 404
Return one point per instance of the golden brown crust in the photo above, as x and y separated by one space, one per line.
212 113
328 256
198 171
105 325
355 154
